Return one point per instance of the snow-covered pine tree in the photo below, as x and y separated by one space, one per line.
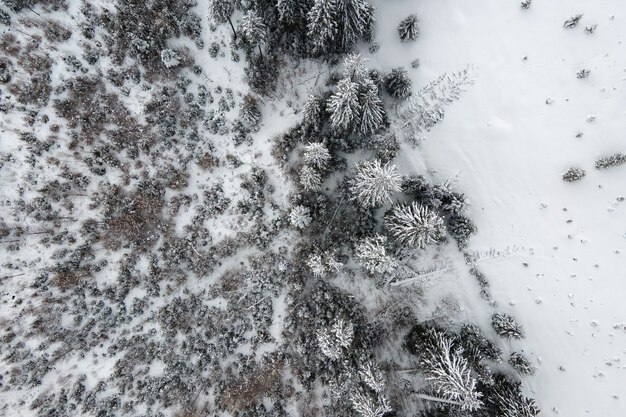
313 112
322 25
354 68
310 178
398 84
289 11
473 339
372 111
300 217
506 399
372 255
414 224
170 58
344 105
333 341
354 15
367 405
574 174
461 228
521 364
506 326
316 155
449 372
220 11
316 265
611 161
252 30
408 28
249 112
374 183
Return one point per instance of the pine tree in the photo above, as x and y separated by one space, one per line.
310 178
354 68
313 113
574 174
322 25
354 14
611 161
289 11
449 372
414 225
372 255
372 112
334 341
506 399
317 155
252 30
220 11
300 217
398 84
170 58
408 29
506 326
461 228
368 406
344 105
249 111
374 183
473 339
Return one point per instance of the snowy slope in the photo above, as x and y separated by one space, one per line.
510 148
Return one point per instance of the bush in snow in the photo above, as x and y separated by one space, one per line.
398 84
414 224
317 155
408 29
521 363
300 217
461 228
372 255
449 372
506 326
310 178
611 161
583 73
574 174
525 4
572 21
374 183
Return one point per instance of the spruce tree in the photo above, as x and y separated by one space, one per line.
220 11
252 30
322 25
344 105
506 326
408 29
354 16
372 111
398 84
414 225
374 183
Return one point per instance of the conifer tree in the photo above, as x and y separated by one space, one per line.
414 225
220 11
506 326
322 25
310 178
316 154
289 11
372 111
374 183
408 29
354 15
398 84
252 30
344 105
372 255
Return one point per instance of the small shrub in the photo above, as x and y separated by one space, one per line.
521 364
611 161
572 21
574 174
506 326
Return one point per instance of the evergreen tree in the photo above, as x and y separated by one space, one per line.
461 228
170 58
354 68
372 255
408 29
220 11
322 25
354 15
374 183
317 155
313 113
372 111
506 326
398 84
310 178
414 225
252 30
473 340
300 217
289 11
249 111
344 105
521 364
505 399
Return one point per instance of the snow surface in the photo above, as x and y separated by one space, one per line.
508 149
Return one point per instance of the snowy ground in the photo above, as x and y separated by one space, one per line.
509 149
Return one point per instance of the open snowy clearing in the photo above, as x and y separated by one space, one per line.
564 271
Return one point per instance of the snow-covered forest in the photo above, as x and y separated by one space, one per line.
309 208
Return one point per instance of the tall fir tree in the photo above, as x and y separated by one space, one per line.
344 105
372 111
252 30
322 25
220 11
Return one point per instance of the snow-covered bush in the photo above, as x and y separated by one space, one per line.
572 21
506 326
316 154
310 178
374 183
408 30
583 73
372 255
611 161
461 228
525 4
521 364
398 84
249 111
414 224
574 174
449 372
300 217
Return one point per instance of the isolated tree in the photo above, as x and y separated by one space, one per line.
252 30
250 112
313 112
521 364
344 105
398 84
374 183
300 217
372 255
372 111
506 326
322 25
220 11
611 161
574 174
414 224
310 178
449 372
316 154
408 28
